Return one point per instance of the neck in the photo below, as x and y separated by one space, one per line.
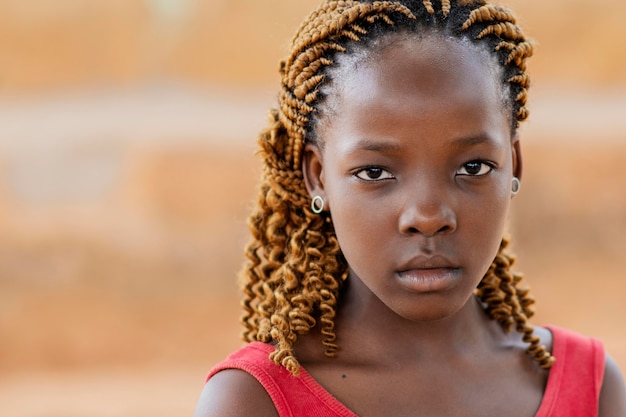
365 325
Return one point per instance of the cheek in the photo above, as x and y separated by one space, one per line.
487 221
351 217
490 213
358 221
363 239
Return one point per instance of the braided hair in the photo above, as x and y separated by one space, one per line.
295 269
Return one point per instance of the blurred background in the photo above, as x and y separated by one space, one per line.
127 168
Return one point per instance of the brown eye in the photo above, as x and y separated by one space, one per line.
373 174
475 168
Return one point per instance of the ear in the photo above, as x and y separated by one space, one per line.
516 154
313 171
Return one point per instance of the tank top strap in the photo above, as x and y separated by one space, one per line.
293 396
575 379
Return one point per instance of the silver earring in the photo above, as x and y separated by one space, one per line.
515 185
317 204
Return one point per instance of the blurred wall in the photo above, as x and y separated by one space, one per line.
127 168
81 43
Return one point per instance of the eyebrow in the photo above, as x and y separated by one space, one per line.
469 141
367 144
382 146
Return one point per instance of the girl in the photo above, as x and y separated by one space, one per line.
377 281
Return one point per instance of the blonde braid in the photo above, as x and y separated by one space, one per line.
501 23
429 6
445 7
322 34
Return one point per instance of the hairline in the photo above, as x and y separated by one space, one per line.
366 52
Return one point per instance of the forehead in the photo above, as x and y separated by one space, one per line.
447 86
408 64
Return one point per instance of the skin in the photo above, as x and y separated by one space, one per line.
416 173
409 136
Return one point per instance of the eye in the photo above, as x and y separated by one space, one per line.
373 174
475 168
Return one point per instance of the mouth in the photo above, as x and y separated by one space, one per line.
423 275
428 279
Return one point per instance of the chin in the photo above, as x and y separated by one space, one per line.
429 317
428 311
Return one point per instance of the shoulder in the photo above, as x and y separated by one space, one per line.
222 396
613 392
608 377
242 374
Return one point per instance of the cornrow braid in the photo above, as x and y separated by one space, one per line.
445 7
429 6
295 270
499 23
336 23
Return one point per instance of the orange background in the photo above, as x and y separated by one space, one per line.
127 133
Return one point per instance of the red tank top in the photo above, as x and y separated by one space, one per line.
573 387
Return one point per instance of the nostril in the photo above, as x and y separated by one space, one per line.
412 230
429 219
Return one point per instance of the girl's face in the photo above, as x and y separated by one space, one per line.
416 173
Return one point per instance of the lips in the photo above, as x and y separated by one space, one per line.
428 274
427 262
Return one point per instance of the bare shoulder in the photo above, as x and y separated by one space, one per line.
613 392
234 393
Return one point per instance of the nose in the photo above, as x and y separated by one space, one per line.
427 211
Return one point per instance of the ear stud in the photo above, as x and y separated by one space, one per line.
317 204
515 185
